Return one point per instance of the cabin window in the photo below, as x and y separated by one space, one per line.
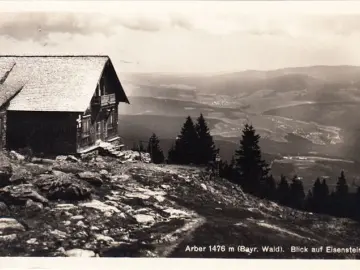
111 121
86 127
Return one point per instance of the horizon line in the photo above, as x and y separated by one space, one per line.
239 71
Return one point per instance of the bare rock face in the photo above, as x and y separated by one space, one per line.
63 186
91 177
20 194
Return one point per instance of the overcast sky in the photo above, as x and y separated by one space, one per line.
188 36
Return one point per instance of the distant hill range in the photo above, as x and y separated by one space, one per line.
313 78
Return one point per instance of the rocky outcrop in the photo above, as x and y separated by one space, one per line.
91 177
62 186
20 194
147 210
109 149
16 156
33 206
133 156
69 158
10 225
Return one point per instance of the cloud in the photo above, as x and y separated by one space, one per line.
140 23
37 25
178 20
150 39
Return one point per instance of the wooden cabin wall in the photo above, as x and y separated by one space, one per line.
43 132
96 125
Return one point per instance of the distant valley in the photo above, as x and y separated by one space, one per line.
308 111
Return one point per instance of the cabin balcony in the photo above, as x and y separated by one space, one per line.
104 100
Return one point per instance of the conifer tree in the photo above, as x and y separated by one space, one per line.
324 189
316 195
309 200
341 186
172 158
282 191
357 204
156 154
231 171
320 196
232 162
317 188
251 168
206 146
333 203
135 147
340 203
141 148
185 150
325 197
224 169
269 188
297 193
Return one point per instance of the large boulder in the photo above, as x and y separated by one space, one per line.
16 156
62 186
20 194
91 177
33 206
10 225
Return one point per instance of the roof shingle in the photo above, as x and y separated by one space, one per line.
52 83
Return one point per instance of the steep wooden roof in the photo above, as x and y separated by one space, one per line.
55 83
7 91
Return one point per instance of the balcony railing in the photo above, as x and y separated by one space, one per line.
104 100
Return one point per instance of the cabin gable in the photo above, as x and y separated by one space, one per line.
100 120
